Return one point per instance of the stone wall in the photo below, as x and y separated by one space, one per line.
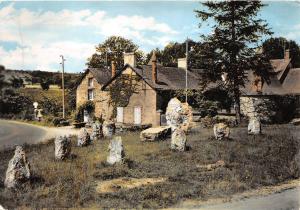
101 98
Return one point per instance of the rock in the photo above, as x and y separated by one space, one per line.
18 170
83 138
254 126
62 147
221 131
116 151
96 131
174 113
296 121
187 117
108 129
209 167
155 134
178 140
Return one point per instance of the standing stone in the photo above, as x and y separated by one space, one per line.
83 138
18 170
254 126
174 113
62 147
178 140
187 117
108 129
116 151
96 131
221 131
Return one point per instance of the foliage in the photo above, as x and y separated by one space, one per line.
275 47
16 82
114 48
45 85
89 106
228 49
174 50
13 102
50 106
122 89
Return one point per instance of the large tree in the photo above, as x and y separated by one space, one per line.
230 49
274 48
113 49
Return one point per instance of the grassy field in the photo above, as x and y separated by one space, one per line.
250 162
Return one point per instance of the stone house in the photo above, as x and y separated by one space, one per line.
154 85
261 98
89 88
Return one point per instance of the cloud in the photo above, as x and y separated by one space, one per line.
42 35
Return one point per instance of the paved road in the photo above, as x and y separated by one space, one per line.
286 200
13 133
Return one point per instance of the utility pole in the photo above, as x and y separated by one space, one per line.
186 73
63 83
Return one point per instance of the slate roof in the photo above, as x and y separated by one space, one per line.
168 78
102 75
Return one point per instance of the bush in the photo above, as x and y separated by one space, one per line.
56 121
89 106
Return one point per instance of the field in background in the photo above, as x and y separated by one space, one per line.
250 162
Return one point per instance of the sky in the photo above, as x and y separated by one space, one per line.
33 34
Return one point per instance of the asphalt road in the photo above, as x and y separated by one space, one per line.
15 133
286 200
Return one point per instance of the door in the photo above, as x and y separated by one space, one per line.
120 114
137 115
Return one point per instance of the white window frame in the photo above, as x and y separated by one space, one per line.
90 82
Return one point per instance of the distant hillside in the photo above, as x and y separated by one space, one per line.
37 76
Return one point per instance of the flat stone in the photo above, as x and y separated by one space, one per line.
116 151
296 121
221 131
18 170
155 134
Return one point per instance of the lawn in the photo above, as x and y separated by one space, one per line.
250 162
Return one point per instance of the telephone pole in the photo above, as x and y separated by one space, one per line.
186 73
63 83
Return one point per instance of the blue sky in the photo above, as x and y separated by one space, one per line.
36 33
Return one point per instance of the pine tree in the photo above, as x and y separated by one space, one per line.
231 47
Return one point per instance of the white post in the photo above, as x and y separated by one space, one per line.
63 84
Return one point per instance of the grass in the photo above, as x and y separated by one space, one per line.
250 162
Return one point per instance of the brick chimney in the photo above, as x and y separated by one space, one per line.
287 54
113 68
129 58
181 63
154 68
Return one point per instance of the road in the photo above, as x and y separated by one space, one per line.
16 133
286 200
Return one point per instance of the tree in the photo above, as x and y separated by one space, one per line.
274 48
113 49
231 46
45 84
16 82
174 50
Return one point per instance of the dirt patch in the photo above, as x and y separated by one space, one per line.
115 185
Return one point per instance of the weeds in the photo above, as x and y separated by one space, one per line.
250 162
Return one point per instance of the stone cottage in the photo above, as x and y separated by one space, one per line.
259 98
154 87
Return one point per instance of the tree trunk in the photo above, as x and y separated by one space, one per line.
237 107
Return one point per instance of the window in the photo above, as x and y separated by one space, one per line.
91 94
90 82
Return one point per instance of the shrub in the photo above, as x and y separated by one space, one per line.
89 106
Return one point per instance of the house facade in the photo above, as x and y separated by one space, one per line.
264 99
153 88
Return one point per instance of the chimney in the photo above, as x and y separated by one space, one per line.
287 54
113 68
129 58
182 63
154 68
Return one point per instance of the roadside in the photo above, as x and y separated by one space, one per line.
283 196
14 132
